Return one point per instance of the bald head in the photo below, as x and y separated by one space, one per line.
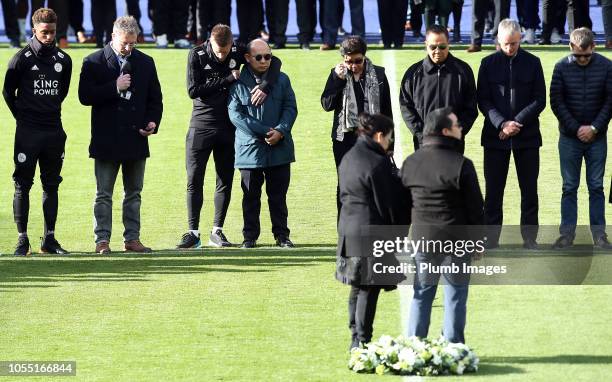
258 56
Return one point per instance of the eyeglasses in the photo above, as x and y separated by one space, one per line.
439 46
266 57
585 55
356 61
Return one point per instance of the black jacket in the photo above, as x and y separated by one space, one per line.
582 95
371 195
426 87
209 80
511 90
331 98
443 185
36 83
115 121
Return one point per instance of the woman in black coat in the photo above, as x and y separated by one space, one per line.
354 86
371 195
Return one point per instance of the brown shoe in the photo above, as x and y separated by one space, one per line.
474 48
63 43
327 47
140 39
102 248
136 246
609 44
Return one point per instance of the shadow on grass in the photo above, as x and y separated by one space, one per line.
573 359
492 369
132 267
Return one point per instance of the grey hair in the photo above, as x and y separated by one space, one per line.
508 26
582 38
127 25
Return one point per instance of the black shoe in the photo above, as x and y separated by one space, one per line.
284 242
218 239
50 245
189 240
15 44
279 46
23 246
545 42
248 244
602 243
530 244
491 244
563 242
305 46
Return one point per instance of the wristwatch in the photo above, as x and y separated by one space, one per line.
593 129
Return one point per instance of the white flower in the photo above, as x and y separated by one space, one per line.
408 356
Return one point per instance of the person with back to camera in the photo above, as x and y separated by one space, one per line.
371 195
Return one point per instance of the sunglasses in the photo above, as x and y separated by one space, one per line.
585 55
357 61
439 46
266 57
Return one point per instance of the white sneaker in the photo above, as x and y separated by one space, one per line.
161 41
182 44
529 37
555 37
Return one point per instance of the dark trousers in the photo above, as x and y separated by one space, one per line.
339 12
606 15
457 9
45 147
416 17
277 183
340 149
171 19
277 16
133 9
439 8
250 19
59 6
553 16
75 14
578 14
392 18
479 13
103 15
332 21
496 164
362 309
9 12
306 20
528 11
221 144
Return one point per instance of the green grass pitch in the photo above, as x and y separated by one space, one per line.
261 314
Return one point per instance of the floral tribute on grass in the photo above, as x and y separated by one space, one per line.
413 356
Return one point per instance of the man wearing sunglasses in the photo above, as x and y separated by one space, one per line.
211 69
440 80
264 146
511 95
581 99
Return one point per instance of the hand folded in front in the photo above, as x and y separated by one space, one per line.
585 134
273 137
509 129
123 82
258 96
148 130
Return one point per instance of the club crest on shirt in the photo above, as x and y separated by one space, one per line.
57 67
21 157
232 64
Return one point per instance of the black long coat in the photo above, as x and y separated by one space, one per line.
371 195
115 121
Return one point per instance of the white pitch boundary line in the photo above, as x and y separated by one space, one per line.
405 291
